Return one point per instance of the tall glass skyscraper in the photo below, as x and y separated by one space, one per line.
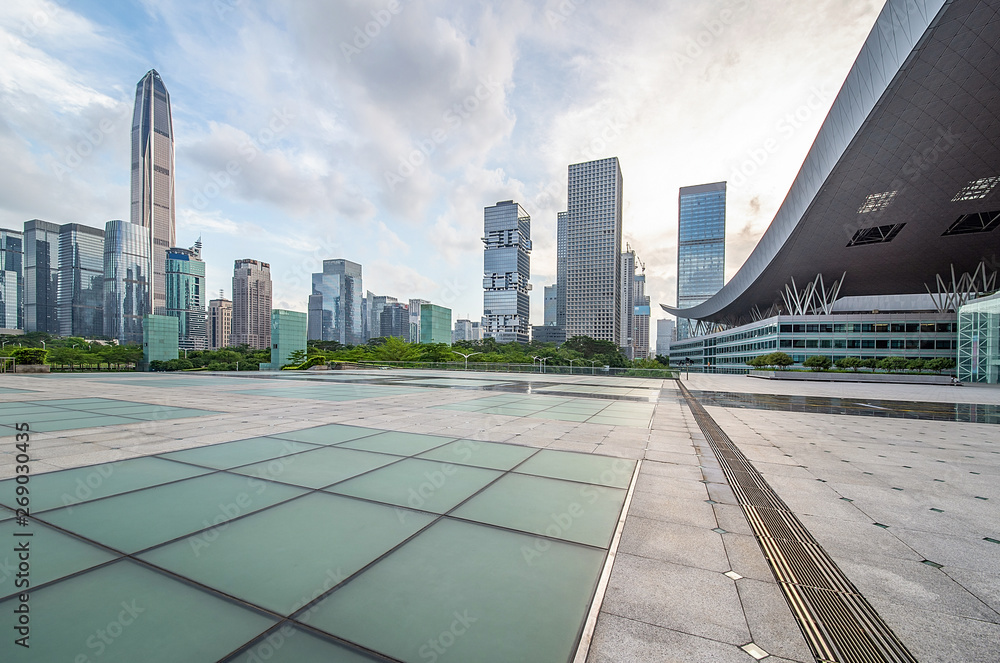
186 296
80 291
593 250
251 304
701 246
377 304
11 279
506 270
153 177
41 276
127 268
335 312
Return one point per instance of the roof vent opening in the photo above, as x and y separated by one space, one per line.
876 235
980 222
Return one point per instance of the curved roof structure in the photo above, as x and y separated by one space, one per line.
903 179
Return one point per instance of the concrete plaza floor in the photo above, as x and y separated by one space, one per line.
908 509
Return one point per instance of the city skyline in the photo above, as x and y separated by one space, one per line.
282 136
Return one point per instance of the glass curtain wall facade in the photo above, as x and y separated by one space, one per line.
251 304
80 290
414 308
185 282
551 299
664 336
377 304
435 324
506 270
41 276
593 250
394 320
979 340
153 176
335 310
11 279
701 247
127 268
288 335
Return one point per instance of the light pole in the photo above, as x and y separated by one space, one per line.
593 371
571 365
541 363
466 356
43 345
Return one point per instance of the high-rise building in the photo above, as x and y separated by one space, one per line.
414 308
394 320
640 317
80 290
664 336
701 247
627 321
41 276
551 301
153 176
185 280
594 241
506 270
251 304
467 330
220 322
562 255
435 324
127 268
335 303
376 304
11 279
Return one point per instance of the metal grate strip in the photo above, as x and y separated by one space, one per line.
838 623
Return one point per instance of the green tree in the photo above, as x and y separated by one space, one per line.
869 363
780 359
939 364
817 362
297 357
893 364
851 363
396 349
917 364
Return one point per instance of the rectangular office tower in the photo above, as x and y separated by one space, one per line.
127 269
153 176
506 270
11 279
335 311
394 320
185 279
80 291
41 276
220 322
593 250
640 317
701 247
377 304
251 304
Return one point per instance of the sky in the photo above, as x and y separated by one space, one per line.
377 131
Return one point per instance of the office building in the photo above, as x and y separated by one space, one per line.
394 320
701 247
562 255
547 334
159 339
594 241
185 284
153 205
640 317
664 336
435 324
506 270
127 269
551 303
627 285
467 330
11 279
41 276
80 283
414 308
288 335
251 304
220 322
376 304
335 305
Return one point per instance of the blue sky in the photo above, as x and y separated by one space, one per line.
378 131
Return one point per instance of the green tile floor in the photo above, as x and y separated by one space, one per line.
69 413
584 410
328 392
334 543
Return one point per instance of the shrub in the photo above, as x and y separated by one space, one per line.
817 362
29 355
893 364
852 363
869 363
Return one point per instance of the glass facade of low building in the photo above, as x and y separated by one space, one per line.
979 340
435 324
127 269
866 336
185 287
159 339
288 335
11 279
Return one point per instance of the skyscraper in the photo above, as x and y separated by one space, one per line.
220 322
551 301
562 253
701 246
414 308
506 270
185 279
627 286
153 177
251 304
640 318
80 289
41 276
11 279
377 304
593 250
664 336
395 321
127 267
335 303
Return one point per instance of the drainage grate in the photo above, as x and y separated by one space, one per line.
838 623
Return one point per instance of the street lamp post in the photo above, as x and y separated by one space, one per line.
466 356
593 362
571 365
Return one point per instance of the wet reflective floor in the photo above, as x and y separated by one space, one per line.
960 412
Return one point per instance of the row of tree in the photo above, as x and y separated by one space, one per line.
782 360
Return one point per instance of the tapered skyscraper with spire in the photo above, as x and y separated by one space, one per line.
153 177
